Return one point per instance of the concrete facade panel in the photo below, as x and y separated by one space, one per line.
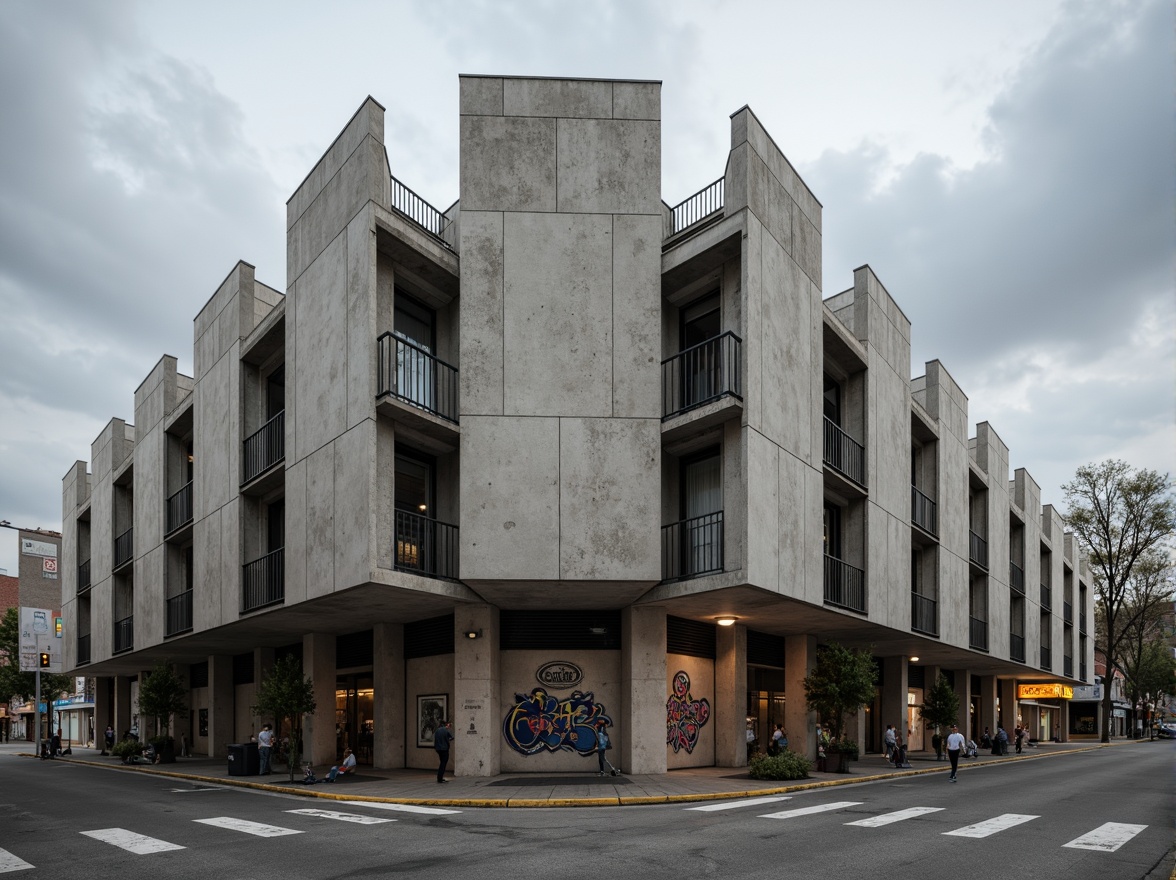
361 319
480 96
294 556
354 487
636 100
636 316
481 314
320 522
608 166
574 99
507 164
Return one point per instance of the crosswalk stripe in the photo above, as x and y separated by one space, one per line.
1107 837
806 811
403 808
9 862
342 817
991 826
897 816
245 826
734 805
139 844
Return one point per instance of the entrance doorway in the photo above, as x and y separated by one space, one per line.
354 717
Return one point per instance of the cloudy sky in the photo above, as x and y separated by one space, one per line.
1005 167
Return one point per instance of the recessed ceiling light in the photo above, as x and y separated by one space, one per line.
724 621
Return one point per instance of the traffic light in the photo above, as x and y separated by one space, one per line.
44 659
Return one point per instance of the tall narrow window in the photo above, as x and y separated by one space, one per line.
275 527
275 393
832 530
702 505
414 515
415 326
832 398
700 323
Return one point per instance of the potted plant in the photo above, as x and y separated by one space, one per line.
843 680
939 710
162 694
127 749
285 695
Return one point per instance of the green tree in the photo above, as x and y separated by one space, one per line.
940 708
13 682
286 695
1124 519
163 694
843 680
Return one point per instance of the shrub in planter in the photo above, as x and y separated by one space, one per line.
847 747
786 765
127 749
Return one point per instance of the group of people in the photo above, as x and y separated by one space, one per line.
896 747
777 743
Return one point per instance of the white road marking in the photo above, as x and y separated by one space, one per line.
403 808
806 811
991 826
1106 838
247 827
138 844
186 790
9 862
897 816
342 817
734 805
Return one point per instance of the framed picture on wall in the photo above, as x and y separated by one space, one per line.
432 710
203 722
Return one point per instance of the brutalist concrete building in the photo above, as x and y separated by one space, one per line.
561 454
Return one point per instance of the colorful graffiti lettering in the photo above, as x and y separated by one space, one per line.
539 722
685 716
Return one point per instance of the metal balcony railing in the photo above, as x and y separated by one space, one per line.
178 614
124 548
1068 613
1046 598
425 546
83 649
83 576
707 201
702 373
924 614
1046 658
1017 647
1068 667
179 508
845 585
411 374
978 633
265 447
124 634
263 582
692 547
416 209
1017 578
977 549
923 511
844 454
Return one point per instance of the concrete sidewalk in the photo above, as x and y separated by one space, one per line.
550 790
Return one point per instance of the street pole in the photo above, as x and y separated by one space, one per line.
37 711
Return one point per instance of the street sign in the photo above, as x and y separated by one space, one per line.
38 636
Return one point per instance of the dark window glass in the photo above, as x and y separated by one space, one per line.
832 530
275 393
414 322
832 400
275 525
701 321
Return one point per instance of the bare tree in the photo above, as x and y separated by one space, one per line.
1124 519
1144 652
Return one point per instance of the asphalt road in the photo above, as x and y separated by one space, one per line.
68 821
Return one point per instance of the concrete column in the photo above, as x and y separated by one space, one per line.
988 704
318 730
1007 691
1064 720
476 678
388 682
122 706
263 662
642 746
181 729
221 705
894 693
800 656
730 709
103 710
963 690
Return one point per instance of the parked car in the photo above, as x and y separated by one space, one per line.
1168 731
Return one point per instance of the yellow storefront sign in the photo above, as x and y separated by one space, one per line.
1045 692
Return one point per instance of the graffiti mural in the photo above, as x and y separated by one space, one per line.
539 722
685 716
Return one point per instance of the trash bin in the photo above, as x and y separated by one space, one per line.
244 759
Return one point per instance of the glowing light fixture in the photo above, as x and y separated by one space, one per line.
725 621
473 634
914 659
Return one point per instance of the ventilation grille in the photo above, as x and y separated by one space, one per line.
560 630
916 676
428 638
198 675
243 668
764 649
354 649
690 637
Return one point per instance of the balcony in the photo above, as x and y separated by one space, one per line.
415 383
124 634
425 546
845 585
83 577
265 447
124 548
1068 613
1017 578
923 512
1017 647
418 211
692 547
1046 658
701 374
1046 598
178 614
263 582
924 615
179 508
844 454
703 205
977 550
978 634
1068 666
83 649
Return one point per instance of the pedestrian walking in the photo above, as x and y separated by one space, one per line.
265 748
442 737
108 738
602 743
1018 736
889 739
955 744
